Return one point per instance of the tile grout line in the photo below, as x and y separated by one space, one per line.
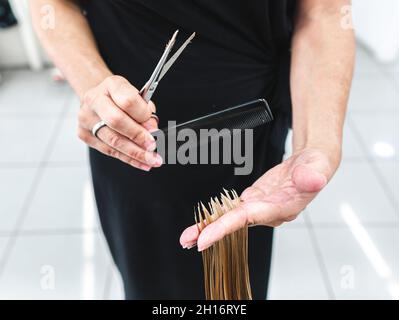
373 165
50 232
48 164
30 116
97 230
82 164
320 259
33 188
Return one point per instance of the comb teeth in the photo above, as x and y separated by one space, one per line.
246 116
249 119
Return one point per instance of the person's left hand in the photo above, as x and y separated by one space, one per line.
276 197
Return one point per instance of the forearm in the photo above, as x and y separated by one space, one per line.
70 44
321 73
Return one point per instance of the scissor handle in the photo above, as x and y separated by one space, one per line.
148 91
162 67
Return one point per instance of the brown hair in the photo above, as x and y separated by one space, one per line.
226 272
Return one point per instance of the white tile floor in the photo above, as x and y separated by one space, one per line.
344 246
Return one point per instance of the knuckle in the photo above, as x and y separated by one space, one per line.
109 80
139 155
82 135
88 98
116 78
113 80
139 137
143 113
82 116
115 141
140 111
129 101
115 121
135 99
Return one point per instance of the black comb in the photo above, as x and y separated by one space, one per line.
244 116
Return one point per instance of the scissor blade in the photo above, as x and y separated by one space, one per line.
173 59
155 75
162 61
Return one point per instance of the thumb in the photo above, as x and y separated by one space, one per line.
307 179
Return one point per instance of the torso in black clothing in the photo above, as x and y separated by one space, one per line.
240 53
237 54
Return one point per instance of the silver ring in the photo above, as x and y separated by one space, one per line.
97 127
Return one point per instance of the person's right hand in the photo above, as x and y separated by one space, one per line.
127 135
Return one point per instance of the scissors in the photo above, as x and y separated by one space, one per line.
162 68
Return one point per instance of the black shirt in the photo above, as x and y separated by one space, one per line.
241 50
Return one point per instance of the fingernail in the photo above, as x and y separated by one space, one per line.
204 247
188 247
159 160
154 160
150 145
146 168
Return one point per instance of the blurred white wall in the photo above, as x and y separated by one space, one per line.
18 45
377 26
12 52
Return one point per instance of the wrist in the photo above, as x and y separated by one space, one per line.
94 78
319 135
332 150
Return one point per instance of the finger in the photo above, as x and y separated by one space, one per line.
246 214
189 236
128 98
308 180
152 124
87 119
120 143
120 122
97 144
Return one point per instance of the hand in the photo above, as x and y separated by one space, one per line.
127 135
276 197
